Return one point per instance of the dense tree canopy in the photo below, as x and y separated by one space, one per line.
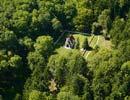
33 66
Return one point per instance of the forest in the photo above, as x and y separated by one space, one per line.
35 65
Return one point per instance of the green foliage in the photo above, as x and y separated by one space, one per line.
77 43
85 44
27 43
11 74
37 95
15 61
37 81
110 79
70 11
56 24
21 21
44 45
105 21
124 48
40 22
8 39
3 64
35 60
81 41
83 21
61 66
67 96
25 5
18 97
29 61
96 28
118 27
7 61
81 86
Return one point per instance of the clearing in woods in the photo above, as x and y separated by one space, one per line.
93 41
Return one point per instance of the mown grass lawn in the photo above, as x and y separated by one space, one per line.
100 42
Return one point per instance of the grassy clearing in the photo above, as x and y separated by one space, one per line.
81 39
60 46
92 40
104 43
101 43
61 50
66 52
